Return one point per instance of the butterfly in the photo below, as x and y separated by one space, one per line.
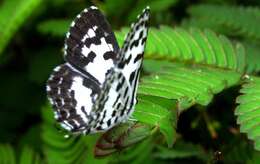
95 89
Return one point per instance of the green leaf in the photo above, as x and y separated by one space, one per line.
58 148
7 154
12 15
187 84
147 111
248 110
192 46
181 150
255 159
253 57
139 153
55 27
240 153
231 20
28 156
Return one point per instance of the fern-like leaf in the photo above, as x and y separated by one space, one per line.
159 112
181 150
194 45
248 111
12 15
29 156
239 21
189 84
57 148
253 57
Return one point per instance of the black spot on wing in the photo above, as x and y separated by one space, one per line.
118 105
126 91
116 119
114 113
117 98
138 57
131 78
109 55
122 112
124 62
83 110
99 128
134 44
108 122
91 56
119 86
143 41
94 40
134 90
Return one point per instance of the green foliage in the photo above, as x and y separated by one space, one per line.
236 20
54 27
255 158
237 154
253 57
184 112
57 27
158 114
183 83
118 8
248 110
181 150
57 147
7 154
192 46
12 15
155 5
29 156
25 156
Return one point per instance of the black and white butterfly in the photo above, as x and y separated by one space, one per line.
96 88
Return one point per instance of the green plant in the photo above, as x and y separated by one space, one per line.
191 77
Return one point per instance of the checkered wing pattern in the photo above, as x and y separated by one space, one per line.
96 88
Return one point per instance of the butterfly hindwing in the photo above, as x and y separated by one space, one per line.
90 44
71 94
112 103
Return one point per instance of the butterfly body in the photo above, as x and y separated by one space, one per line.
96 88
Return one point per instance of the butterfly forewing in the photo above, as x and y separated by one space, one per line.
96 89
132 54
90 44
118 95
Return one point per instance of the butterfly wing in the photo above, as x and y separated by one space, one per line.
90 51
90 44
131 56
116 101
71 94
